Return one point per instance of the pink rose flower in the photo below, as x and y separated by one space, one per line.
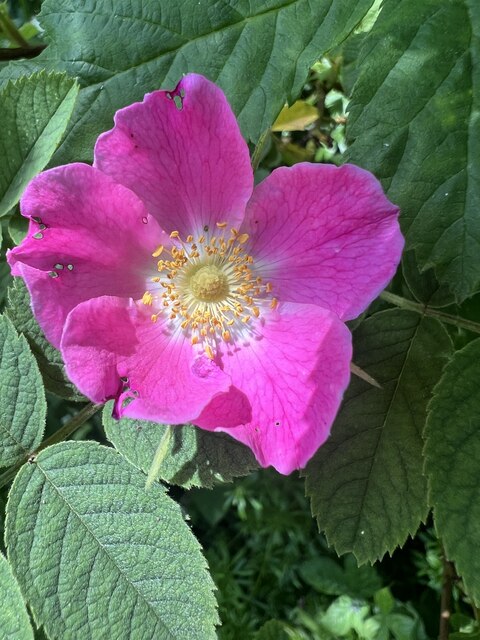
173 289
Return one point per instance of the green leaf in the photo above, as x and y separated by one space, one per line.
35 112
22 400
14 620
99 557
141 46
366 485
425 286
48 358
273 630
452 452
194 458
328 576
425 149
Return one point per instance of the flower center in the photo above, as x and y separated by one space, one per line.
208 283
208 287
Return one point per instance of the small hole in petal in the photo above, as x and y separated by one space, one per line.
36 219
58 266
70 267
124 379
182 93
205 228
38 235
42 226
145 220
53 274
169 95
178 102
277 423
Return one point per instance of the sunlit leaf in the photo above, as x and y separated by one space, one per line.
97 556
194 457
258 52
14 621
22 399
35 112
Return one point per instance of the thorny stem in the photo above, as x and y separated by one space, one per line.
259 149
10 30
428 311
59 436
449 577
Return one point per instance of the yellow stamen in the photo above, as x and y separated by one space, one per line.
208 351
147 298
158 251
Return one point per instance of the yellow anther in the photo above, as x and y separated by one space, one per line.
194 340
147 298
256 311
221 225
208 351
226 335
274 303
157 251
242 238
174 234
189 239
246 319
154 317
268 287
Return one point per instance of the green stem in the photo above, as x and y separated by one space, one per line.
15 53
59 436
449 576
431 313
10 30
259 149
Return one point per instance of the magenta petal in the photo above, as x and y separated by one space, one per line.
293 374
324 235
88 236
112 349
190 166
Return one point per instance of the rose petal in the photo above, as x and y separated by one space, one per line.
92 235
107 339
293 373
324 235
190 166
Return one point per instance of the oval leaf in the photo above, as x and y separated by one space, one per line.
366 485
35 112
194 457
452 452
145 45
99 557
425 149
14 620
22 400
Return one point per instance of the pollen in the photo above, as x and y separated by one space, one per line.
207 286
